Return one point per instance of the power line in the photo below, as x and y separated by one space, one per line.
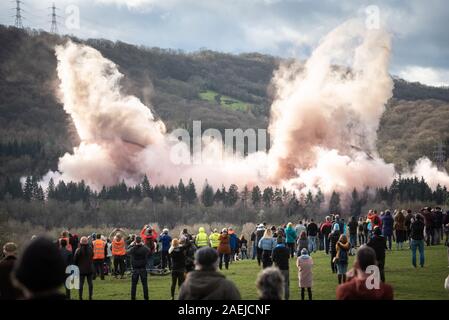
54 24
439 155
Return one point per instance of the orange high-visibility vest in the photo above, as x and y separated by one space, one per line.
118 248
68 246
98 249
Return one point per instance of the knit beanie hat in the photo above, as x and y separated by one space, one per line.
41 266
206 257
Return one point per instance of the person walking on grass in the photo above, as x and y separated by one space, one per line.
83 259
260 231
355 288
178 263
304 263
341 258
270 284
417 239
302 243
281 257
224 249
139 258
267 244
205 283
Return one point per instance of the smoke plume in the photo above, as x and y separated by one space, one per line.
324 122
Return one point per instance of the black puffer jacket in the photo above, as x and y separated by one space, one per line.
178 258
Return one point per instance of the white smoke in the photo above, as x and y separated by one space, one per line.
324 122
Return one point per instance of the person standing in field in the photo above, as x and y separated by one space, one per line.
178 263
326 229
281 257
267 244
312 233
213 239
224 249
139 257
201 239
341 258
233 243
100 253
291 236
83 259
243 247
400 229
304 263
333 239
417 239
303 242
361 231
352 226
387 227
166 241
67 256
260 231
379 244
118 254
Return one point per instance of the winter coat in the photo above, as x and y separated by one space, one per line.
356 289
233 241
333 239
379 244
201 239
302 244
290 235
387 225
208 285
352 225
178 259
304 263
139 256
281 256
67 256
84 259
417 230
312 229
326 228
399 222
7 289
165 240
342 252
267 244
224 246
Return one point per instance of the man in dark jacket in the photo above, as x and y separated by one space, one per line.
139 257
438 225
326 229
428 224
387 227
352 226
312 233
446 227
83 258
7 290
205 283
67 256
417 239
281 255
379 244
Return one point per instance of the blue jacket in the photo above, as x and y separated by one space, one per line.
165 239
387 225
290 234
233 241
267 243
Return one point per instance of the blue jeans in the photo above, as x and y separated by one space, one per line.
389 241
312 244
417 244
353 240
254 250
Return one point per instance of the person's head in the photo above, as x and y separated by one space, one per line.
165 231
336 227
273 229
184 230
377 231
280 240
304 252
175 243
40 269
337 217
118 237
138 240
311 220
64 234
10 249
215 230
328 219
224 231
268 234
270 284
84 241
206 259
343 238
98 236
63 243
94 236
388 213
289 225
242 237
201 230
149 231
264 223
366 256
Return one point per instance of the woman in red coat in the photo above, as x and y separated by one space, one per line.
224 249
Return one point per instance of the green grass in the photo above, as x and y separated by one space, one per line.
408 282
224 101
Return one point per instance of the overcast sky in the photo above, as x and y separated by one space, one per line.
287 28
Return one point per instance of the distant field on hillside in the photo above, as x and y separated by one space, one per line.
224 101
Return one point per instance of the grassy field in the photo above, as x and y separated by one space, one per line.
408 282
224 101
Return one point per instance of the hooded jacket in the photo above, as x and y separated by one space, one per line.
387 224
201 238
224 247
208 285
290 234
